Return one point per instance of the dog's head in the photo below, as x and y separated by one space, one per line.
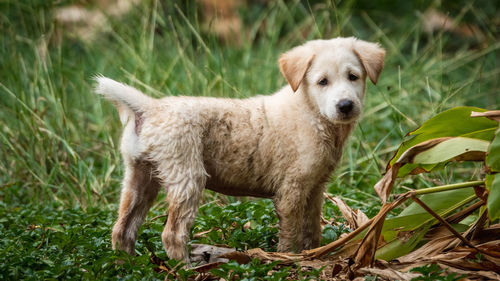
333 73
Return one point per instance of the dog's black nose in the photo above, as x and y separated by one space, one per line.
345 106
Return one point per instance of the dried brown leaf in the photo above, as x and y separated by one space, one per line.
473 274
404 267
354 218
317 264
485 235
431 248
361 218
207 267
492 114
366 251
463 258
240 257
202 233
492 248
202 253
336 269
285 258
384 186
389 273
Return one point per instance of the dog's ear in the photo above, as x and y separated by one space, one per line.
372 58
294 65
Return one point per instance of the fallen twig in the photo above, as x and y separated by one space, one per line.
450 228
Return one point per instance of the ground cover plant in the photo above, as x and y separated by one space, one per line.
60 168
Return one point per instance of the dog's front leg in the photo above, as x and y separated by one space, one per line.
289 203
311 224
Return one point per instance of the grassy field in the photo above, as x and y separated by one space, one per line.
60 168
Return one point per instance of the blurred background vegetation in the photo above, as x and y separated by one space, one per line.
59 141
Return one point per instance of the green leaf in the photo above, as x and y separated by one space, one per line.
455 122
404 232
401 246
493 180
437 157
451 148
493 184
439 201
493 158
414 216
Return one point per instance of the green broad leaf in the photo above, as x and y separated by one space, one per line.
438 156
412 168
493 184
493 158
449 149
414 216
440 201
393 226
403 245
455 122
407 241
404 232
488 180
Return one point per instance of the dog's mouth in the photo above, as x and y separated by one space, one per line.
343 118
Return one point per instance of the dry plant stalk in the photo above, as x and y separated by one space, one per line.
457 259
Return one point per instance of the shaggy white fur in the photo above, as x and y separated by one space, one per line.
283 146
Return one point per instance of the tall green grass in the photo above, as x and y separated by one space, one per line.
59 141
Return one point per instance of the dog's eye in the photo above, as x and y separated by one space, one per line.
323 82
353 77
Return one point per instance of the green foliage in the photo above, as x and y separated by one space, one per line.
451 148
242 225
312 274
432 272
176 271
60 167
493 180
49 242
332 233
402 245
405 231
493 184
471 131
482 135
493 159
254 270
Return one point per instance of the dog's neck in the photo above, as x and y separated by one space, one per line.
334 134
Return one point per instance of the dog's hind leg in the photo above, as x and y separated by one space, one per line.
139 191
185 186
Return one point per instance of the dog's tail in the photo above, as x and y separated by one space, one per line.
128 100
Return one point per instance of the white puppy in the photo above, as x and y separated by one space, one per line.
283 146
